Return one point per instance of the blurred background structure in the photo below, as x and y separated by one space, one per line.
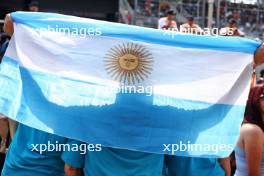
98 9
248 13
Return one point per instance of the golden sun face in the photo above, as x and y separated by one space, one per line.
128 63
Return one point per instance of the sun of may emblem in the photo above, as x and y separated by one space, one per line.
129 63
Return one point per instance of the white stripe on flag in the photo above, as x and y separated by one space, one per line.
210 74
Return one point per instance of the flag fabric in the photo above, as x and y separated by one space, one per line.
126 87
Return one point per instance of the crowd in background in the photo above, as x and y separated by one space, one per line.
249 17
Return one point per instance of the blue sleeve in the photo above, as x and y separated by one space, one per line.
74 157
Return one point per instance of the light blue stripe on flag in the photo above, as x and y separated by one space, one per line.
133 122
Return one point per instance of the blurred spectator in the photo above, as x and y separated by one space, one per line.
231 29
33 6
168 22
191 27
148 6
164 6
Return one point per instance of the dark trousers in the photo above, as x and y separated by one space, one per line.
2 161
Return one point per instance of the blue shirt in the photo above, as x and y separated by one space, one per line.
120 162
22 161
189 166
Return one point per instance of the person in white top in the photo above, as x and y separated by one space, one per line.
168 22
231 29
191 27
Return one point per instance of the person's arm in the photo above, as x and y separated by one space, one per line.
3 134
74 160
225 164
253 145
8 25
71 171
12 127
259 55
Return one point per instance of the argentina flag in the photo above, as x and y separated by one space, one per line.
126 87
